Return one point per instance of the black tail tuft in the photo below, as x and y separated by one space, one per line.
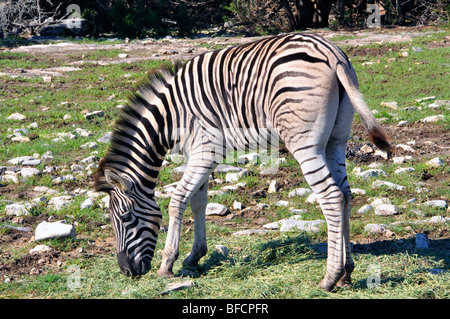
378 138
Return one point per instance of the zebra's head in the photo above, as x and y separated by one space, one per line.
135 219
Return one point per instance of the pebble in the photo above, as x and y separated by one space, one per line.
20 160
435 162
406 148
272 187
303 225
375 228
433 118
16 210
59 202
30 172
402 170
87 203
216 209
392 105
299 192
386 210
248 232
389 185
231 177
237 205
282 203
16 117
40 249
48 230
436 203
221 249
91 115
371 173
358 191
365 209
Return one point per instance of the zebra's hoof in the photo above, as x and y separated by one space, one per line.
165 273
326 285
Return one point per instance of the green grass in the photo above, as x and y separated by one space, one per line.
273 265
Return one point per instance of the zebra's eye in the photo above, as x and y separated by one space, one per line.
126 217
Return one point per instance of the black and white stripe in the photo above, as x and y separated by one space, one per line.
300 86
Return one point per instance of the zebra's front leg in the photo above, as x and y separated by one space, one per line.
198 205
195 175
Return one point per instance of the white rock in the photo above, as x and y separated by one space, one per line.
433 118
87 203
9 177
89 145
389 185
272 187
231 177
91 115
282 203
381 153
244 159
40 249
20 139
371 173
221 249
380 201
435 162
386 210
312 199
59 202
299 192
402 170
366 149
365 209
123 55
237 205
375 228
20 160
34 162
406 148
48 230
29 172
16 210
16 117
357 191
216 209
436 203
89 159
174 286
67 117
248 232
309 226
402 123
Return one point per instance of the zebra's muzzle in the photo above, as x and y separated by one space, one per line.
132 267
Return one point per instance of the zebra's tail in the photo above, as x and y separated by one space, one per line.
373 128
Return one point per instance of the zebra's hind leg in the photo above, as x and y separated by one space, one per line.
195 175
198 205
332 201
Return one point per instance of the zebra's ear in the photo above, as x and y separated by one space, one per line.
116 181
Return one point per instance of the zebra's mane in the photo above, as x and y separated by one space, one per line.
138 102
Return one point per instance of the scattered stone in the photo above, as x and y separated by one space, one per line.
237 205
123 55
105 138
16 210
435 162
246 158
174 286
40 249
221 249
303 225
367 149
380 201
386 210
231 177
20 160
59 202
406 148
87 203
34 162
299 192
48 230
433 118
67 117
423 99
10 177
402 170
382 154
312 199
283 203
89 159
402 123
371 173
16 117
248 232
262 206
358 191
389 185
422 241
272 187
437 203
216 209
375 228
392 105
20 139
365 209
30 172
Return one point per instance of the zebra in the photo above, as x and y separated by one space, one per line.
300 85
